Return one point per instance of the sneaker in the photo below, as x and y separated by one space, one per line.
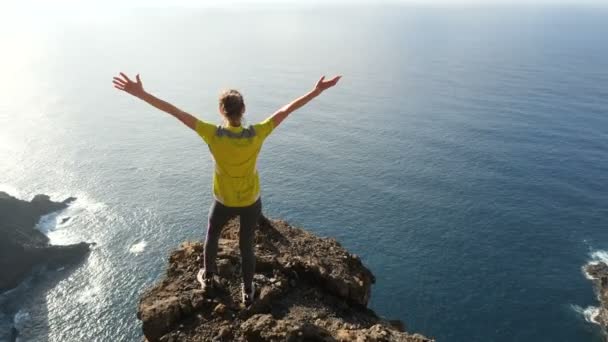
205 280
248 295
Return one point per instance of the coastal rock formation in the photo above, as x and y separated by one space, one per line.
309 289
599 273
22 247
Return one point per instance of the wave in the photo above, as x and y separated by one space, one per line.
589 313
596 256
84 208
599 256
138 247
84 202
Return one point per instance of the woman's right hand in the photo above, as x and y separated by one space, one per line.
125 84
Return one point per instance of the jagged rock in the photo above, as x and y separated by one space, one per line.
309 289
22 247
599 273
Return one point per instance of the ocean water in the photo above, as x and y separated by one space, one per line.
463 156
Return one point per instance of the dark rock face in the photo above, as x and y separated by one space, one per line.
599 273
309 289
21 246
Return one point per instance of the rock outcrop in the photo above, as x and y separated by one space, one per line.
309 289
22 247
599 273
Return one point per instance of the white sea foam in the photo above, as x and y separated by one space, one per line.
597 256
83 209
138 247
85 203
589 313
47 223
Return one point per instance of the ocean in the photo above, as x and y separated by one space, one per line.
463 156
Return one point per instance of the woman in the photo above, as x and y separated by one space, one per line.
236 184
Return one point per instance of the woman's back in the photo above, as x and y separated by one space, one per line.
235 151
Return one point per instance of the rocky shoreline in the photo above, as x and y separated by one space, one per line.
309 289
598 271
22 247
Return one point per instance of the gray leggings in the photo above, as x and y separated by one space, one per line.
219 215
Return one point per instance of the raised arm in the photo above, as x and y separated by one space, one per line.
321 86
137 89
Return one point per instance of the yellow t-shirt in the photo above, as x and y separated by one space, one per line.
236 182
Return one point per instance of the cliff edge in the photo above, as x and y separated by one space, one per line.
22 247
598 272
309 289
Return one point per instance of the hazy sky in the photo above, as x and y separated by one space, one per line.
14 11
308 3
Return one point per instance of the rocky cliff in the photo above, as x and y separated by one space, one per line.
599 273
22 247
309 289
